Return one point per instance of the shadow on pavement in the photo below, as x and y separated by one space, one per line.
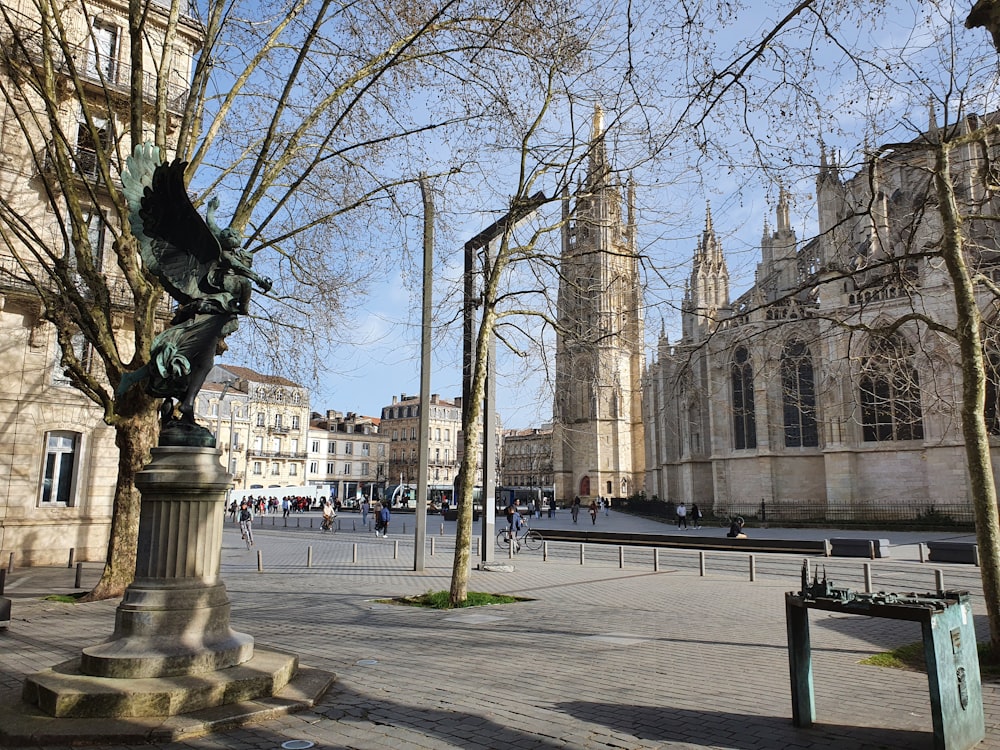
738 731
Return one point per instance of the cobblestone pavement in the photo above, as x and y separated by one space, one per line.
606 654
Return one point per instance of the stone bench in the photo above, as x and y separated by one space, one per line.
871 548
956 552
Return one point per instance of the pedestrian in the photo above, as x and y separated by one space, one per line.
682 515
511 510
696 515
286 507
552 507
365 508
607 506
593 512
516 522
575 508
383 516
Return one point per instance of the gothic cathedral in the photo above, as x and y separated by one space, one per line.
597 421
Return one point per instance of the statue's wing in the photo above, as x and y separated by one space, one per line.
176 244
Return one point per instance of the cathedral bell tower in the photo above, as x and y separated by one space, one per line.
598 445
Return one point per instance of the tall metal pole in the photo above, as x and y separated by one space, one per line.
420 529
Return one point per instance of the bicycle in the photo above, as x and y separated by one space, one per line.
531 538
726 521
246 527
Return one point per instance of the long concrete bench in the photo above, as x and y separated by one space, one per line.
688 541
848 547
957 552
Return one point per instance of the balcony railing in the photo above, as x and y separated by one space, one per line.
112 76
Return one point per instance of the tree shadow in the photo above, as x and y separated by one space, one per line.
666 724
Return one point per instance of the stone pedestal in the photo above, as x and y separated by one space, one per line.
172 649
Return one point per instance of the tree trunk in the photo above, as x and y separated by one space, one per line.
977 446
134 436
471 428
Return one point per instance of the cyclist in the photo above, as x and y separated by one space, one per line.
246 524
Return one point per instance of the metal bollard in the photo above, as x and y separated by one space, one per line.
621 556
273 520
476 543
871 550
10 563
79 576
72 551
753 569
939 579
920 547
3 580
545 551
309 556
404 527
701 563
354 524
510 546
805 568
260 561
868 577
582 558
442 529
354 553
656 559
432 546
395 549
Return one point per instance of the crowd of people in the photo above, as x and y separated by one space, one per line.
264 506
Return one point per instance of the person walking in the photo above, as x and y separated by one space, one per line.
607 507
286 507
575 508
696 515
384 516
593 512
552 507
682 515
365 509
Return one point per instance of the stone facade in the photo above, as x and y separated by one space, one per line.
527 458
597 446
400 423
348 455
772 398
269 423
58 459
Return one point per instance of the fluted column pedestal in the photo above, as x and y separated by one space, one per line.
172 650
174 618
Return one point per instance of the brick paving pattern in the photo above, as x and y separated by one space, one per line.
601 657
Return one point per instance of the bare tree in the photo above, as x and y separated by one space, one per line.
302 120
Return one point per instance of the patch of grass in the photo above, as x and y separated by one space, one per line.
66 598
440 600
911 657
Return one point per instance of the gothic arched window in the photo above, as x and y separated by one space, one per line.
890 392
798 396
744 417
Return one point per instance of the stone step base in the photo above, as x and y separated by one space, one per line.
66 693
22 724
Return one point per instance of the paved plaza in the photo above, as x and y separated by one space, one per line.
606 654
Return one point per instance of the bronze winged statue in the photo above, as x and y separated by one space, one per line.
202 266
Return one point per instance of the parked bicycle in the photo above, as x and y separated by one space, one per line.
726 520
529 537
